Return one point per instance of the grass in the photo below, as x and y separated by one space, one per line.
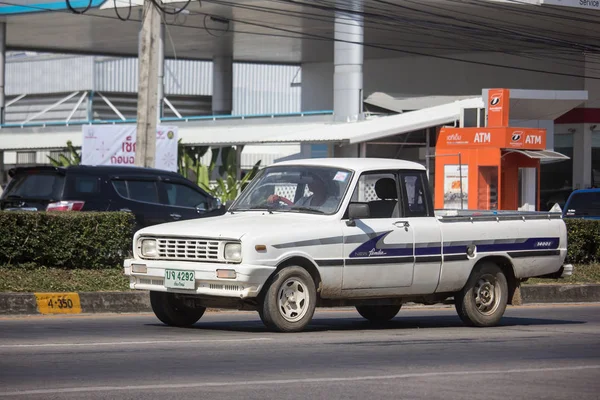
29 278
582 273
42 279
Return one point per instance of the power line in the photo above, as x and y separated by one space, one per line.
302 35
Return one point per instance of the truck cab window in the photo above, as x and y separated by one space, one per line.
414 195
380 192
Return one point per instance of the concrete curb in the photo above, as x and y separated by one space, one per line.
138 301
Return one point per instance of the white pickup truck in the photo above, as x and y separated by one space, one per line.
343 232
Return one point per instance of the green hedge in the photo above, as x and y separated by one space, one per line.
583 241
90 240
95 240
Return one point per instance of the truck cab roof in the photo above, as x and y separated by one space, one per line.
356 164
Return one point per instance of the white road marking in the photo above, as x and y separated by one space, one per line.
170 341
293 381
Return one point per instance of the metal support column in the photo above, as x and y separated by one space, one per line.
2 181
427 146
161 72
363 150
222 97
2 71
348 64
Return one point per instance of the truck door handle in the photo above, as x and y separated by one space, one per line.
175 216
402 224
125 209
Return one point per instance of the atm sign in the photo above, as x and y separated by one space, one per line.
533 139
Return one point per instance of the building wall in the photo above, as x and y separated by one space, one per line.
257 88
413 76
48 74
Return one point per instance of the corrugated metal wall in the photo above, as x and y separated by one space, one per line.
188 77
181 76
257 88
49 74
264 89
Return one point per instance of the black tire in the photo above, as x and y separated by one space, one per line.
378 314
171 311
483 300
280 309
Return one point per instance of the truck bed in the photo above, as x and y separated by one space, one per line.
446 215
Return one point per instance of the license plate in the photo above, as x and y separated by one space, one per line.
176 279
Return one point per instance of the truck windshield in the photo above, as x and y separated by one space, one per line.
583 204
304 189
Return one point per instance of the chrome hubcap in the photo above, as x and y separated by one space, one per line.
487 295
293 300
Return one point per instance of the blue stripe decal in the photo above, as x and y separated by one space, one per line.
429 251
375 247
51 6
529 244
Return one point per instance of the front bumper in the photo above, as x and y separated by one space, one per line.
247 283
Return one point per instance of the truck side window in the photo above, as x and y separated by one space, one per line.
379 191
414 195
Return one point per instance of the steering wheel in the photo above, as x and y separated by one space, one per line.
276 199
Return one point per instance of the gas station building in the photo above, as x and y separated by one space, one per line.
399 79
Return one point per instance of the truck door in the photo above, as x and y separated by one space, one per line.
416 207
379 250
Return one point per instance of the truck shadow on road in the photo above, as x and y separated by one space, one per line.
323 324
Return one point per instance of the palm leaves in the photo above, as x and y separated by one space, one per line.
73 157
227 186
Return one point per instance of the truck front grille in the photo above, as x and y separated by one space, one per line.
188 249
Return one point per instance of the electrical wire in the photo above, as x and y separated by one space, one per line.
168 31
119 15
302 35
165 11
208 31
75 11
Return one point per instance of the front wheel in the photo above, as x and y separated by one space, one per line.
172 311
483 300
289 302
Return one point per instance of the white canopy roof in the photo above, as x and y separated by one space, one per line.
269 132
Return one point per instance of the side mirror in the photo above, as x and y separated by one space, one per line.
213 204
357 211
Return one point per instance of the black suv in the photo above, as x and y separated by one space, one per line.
153 196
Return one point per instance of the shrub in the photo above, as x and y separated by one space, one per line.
95 240
89 240
583 241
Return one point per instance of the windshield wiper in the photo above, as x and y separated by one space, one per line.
14 196
309 209
255 208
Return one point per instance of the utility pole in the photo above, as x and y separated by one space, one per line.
147 113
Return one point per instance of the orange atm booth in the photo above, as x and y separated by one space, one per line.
490 168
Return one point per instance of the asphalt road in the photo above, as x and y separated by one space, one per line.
550 352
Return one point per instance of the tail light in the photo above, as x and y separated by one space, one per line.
65 206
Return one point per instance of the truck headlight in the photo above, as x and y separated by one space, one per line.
233 252
149 248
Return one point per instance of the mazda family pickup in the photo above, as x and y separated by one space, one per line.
343 232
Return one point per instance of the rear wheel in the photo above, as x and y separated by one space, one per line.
172 311
289 302
483 300
378 314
